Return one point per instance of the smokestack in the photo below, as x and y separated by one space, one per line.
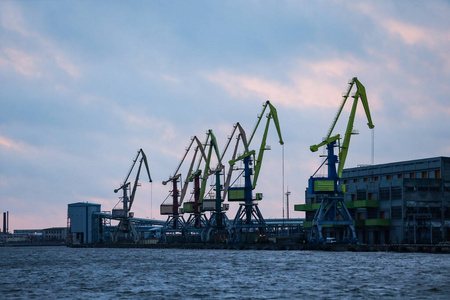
4 222
7 221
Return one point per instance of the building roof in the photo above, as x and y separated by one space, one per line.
83 204
402 164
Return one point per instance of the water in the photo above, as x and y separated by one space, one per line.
67 273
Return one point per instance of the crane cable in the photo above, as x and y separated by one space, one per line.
151 200
282 176
373 146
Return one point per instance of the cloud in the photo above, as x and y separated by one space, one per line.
310 83
65 64
83 93
18 42
24 63
5 142
12 19
410 34
418 33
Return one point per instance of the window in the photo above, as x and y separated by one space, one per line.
396 212
345 181
412 175
353 197
355 180
313 200
396 193
375 178
370 196
400 176
365 180
361 194
385 194
437 174
382 215
372 213
388 177
424 174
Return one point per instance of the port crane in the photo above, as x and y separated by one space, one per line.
249 217
124 215
197 219
175 220
332 210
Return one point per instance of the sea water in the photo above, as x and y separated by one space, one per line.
112 273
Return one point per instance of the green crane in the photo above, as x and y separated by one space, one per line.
197 218
249 216
272 115
332 210
343 149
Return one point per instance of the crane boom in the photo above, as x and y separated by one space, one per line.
258 161
241 136
127 203
212 144
199 146
343 149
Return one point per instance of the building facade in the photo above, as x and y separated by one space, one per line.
80 222
402 202
54 234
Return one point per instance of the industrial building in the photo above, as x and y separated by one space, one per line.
401 202
80 222
46 236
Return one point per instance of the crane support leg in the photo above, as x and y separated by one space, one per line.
332 212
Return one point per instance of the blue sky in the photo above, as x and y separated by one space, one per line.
85 84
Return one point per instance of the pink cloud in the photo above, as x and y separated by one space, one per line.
310 84
25 61
11 144
409 33
22 62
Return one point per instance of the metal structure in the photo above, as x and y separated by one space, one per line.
249 218
126 227
175 223
197 218
218 224
332 210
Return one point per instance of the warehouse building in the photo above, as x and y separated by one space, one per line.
402 202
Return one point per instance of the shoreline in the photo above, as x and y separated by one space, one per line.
403 248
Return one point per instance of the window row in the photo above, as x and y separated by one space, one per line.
436 174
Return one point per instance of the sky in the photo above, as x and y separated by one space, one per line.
85 84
